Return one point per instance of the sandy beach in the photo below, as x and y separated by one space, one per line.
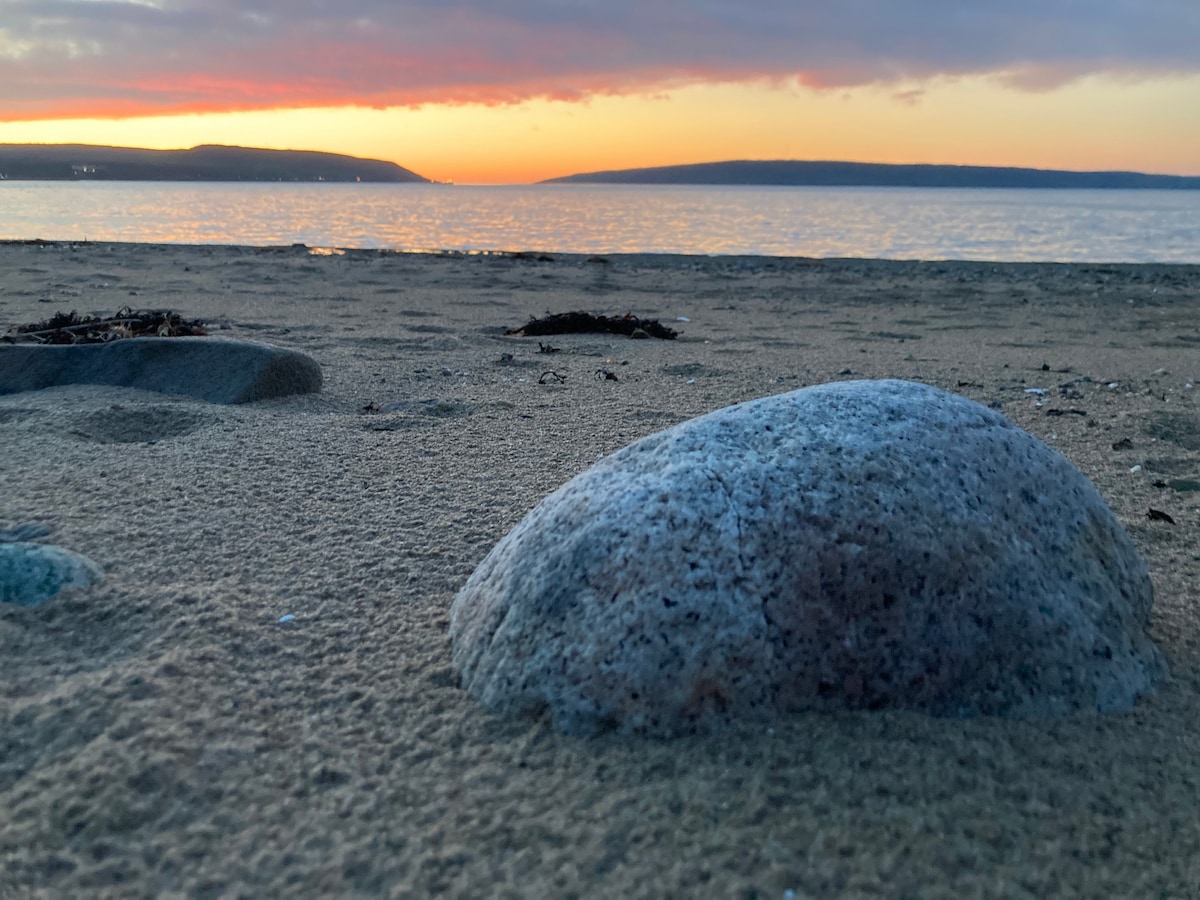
168 735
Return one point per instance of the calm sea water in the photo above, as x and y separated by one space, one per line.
895 223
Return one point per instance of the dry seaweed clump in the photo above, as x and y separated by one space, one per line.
587 323
72 328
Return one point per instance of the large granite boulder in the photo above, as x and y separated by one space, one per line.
30 574
212 369
860 545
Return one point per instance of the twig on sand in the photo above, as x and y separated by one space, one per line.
72 328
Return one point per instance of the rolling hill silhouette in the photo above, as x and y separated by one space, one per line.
851 174
208 162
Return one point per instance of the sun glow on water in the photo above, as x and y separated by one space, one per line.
990 224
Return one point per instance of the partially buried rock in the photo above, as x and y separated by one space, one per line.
860 545
219 371
30 574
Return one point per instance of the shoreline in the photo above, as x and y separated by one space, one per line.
652 259
168 733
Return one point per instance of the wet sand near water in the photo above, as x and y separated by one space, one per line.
167 735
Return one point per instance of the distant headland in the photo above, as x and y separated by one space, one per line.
850 174
208 162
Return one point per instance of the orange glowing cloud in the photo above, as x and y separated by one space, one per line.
125 58
1094 123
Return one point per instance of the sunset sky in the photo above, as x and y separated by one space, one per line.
489 92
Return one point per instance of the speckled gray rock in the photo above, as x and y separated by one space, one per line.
860 545
212 369
30 574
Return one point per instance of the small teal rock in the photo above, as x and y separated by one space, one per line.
30 574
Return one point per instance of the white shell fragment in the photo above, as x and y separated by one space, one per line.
857 545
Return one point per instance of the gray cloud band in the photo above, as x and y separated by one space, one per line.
157 56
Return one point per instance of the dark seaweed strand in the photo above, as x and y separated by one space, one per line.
587 323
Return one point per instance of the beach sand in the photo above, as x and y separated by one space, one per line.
167 735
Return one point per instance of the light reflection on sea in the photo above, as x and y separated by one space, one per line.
895 223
